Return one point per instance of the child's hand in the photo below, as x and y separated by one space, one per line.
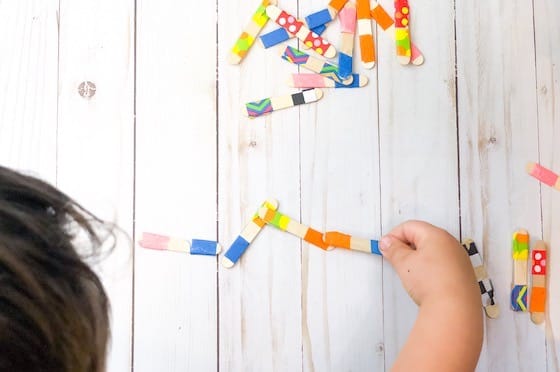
431 263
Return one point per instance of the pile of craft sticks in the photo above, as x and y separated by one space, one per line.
325 74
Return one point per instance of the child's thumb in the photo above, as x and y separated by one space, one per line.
395 251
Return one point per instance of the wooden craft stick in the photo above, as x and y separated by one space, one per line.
166 243
297 57
297 28
367 45
246 237
520 252
340 240
324 16
319 81
402 35
538 283
491 308
347 29
280 35
250 32
385 21
268 105
544 175
285 223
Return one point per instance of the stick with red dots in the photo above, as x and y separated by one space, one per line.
538 280
402 35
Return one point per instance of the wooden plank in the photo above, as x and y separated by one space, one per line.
547 39
260 297
175 323
342 290
418 161
95 139
28 86
498 135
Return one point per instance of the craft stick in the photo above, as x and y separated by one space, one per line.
544 175
324 16
246 237
297 28
385 21
402 35
340 240
520 252
347 29
297 57
491 308
367 46
285 223
268 105
319 81
538 282
166 243
250 32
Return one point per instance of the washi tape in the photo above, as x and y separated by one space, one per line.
544 175
166 243
538 282
319 81
520 253
491 308
280 35
268 105
250 32
324 16
340 240
402 35
347 29
365 32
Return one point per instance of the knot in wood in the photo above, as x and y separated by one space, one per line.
87 89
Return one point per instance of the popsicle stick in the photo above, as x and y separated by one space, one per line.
538 282
402 35
520 253
268 105
347 29
297 57
319 81
491 308
297 28
385 21
166 243
280 35
246 237
340 240
544 175
365 32
324 16
250 32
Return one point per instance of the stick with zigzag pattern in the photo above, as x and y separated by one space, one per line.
520 253
268 105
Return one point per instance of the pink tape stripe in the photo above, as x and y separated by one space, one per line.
154 241
308 81
415 52
544 175
347 18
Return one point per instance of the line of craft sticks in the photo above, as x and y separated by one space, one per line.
491 308
319 81
340 240
319 66
246 237
250 32
324 16
544 175
402 34
385 21
297 28
268 105
538 282
280 35
347 29
285 223
365 32
520 254
166 243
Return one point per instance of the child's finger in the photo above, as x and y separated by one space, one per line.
416 233
396 252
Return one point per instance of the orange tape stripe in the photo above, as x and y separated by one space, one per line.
538 300
367 48
383 19
337 4
337 239
316 238
362 9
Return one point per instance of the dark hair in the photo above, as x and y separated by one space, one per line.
53 308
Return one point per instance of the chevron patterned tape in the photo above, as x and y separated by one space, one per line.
259 108
519 298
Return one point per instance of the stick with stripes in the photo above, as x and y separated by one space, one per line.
347 30
520 253
544 175
166 243
268 105
340 240
538 283
491 308
319 81
365 32
402 34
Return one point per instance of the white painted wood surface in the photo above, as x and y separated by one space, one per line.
162 147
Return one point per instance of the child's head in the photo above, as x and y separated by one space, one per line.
53 308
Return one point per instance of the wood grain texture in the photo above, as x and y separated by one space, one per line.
175 323
547 39
498 133
260 297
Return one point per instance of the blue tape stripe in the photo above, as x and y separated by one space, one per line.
318 18
237 248
344 65
375 247
204 247
274 37
319 29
